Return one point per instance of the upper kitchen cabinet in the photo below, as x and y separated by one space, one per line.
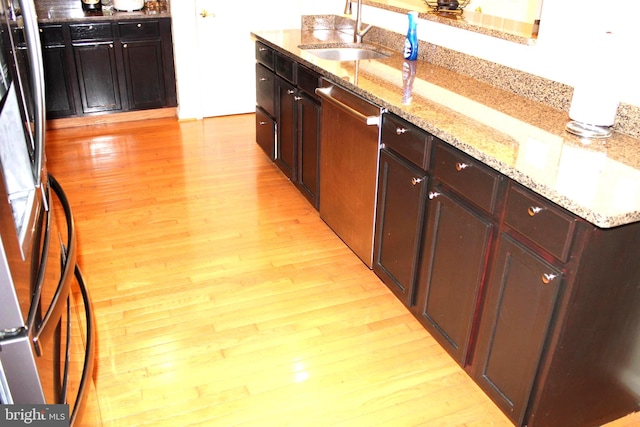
99 67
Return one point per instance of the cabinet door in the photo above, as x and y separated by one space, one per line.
265 132
266 89
400 214
144 74
452 266
286 112
521 296
308 148
58 72
97 77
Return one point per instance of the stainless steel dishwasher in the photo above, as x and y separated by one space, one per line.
349 150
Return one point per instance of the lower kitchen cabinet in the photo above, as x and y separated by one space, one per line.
109 66
517 314
400 212
452 266
286 102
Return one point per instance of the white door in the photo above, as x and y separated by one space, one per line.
226 57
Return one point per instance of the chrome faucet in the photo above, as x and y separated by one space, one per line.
358 32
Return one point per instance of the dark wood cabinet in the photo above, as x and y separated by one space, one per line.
286 118
308 149
110 66
455 251
285 99
97 77
460 228
402 185
519 307
58 74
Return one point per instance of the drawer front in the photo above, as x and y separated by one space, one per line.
140 29
286 68
308 81
85 32
265 89
470 178
540 221
409 141
265 55
51 35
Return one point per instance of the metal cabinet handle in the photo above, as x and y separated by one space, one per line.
264 79
262 123
416 181
533 210
548 278
461 166
297 98
325 94
433 194
400 131
262 49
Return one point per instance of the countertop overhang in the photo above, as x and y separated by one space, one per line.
596 179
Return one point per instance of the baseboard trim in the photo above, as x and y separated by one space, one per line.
128 116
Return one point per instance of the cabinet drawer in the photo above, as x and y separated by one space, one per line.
286 68
470 178
265 89
141 29
51 35
308 81
97 31
409 141
540 221
265 55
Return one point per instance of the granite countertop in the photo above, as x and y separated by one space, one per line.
597 180
50 11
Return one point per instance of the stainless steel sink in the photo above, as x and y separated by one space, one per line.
346 51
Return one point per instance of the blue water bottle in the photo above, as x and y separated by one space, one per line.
411 42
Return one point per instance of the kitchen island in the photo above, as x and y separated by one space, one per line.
550 315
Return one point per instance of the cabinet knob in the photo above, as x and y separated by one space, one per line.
262 123
125 45
533 210
297 98
110 45
139 25
262 49
416 181
291 91
400 131
548 278
433 194
461 166
264 79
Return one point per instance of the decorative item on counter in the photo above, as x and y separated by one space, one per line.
128 5
411 42
447 6
91 5
595 99
408 76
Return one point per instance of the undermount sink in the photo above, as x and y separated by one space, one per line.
346 51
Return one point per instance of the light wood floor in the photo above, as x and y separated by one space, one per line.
222 299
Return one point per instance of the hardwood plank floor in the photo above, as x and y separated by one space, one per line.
222 299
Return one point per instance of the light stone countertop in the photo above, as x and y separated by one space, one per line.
597 180
57 11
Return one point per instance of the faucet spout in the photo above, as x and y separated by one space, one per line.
358 31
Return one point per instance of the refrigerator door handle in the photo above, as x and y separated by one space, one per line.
32 39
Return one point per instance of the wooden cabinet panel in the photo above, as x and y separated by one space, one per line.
455 252
411 142
97 77
399 219
308 167
286 119
266 89
59 72
521 298
144 74
265 132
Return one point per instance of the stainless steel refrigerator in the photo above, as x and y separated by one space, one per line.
46 323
